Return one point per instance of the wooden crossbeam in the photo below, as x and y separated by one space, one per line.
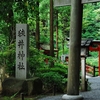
68 2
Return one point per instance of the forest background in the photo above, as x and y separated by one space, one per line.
31 12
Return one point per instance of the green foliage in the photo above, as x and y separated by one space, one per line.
36 60
61 71
57 75
93 59
6 98
7 58
58 67
50 79
25 11
91 21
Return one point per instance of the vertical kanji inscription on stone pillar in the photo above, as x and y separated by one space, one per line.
21 51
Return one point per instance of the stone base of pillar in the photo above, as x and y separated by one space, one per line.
72 97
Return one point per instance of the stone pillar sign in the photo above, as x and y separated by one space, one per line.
21 50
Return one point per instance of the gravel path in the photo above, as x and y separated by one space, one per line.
93 94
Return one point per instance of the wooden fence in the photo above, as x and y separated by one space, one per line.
91 70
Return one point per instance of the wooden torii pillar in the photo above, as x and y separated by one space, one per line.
91 48
74 54
99 59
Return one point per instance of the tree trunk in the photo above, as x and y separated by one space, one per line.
75 46
51 33
37 27
57 32
51 29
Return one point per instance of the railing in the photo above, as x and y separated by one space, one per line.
91 70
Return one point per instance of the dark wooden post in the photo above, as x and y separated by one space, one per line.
22 96
94 71
75 46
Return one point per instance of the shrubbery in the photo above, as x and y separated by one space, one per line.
51 76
